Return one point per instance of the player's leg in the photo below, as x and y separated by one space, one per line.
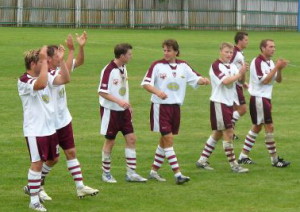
106 159
229 151
130 155
67 143
271 146
208 150
248 145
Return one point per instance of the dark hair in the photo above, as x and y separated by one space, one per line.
51 50
121 48
173 44
31 56
263 43
239 36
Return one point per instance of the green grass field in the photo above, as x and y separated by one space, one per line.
265 188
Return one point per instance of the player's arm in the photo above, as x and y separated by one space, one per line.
81 41
64 76
155 91
231 79
203 81
122 103
70 45
242 79
42 80
280 64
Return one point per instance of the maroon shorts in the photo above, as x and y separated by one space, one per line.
114 121
43 148
220 116
239 98
66 137
165 118
260 110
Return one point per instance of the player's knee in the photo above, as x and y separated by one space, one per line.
70 153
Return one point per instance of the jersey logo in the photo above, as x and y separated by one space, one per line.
163 75
173 86
115 81
174 74
122 91
45 98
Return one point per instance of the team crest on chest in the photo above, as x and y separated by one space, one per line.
162 75
115 81
122 91
173 86
174 74
45 98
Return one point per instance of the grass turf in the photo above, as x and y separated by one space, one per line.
265 188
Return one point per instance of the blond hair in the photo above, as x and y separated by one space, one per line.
226 44
31 56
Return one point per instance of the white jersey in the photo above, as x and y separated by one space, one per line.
113 80
58 92
38 107
222 93
259 69
238 60
171 79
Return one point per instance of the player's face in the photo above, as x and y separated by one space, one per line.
226 54
126 57
54 61
169 54
269 50
244 42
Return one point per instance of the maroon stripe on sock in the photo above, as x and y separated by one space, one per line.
204 155
154 166
107 163
271 148
132 164
206 150
231 160
210 146
229 149
270 143
171 157
175 169
160 156
158 161
34 187
106 167
34 181
248 145
130 158
230 155
173 163
75 173
250 140
74 167
246 150
78 179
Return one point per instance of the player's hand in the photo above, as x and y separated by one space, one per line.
204 81
81 39
69 42
243 69
124 104
61 52
247 66
245 85
43 53
162 95
281 63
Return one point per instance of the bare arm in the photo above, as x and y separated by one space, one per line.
70 45
236 77
122 103
81 41
155 91
42 79
64 75
280 64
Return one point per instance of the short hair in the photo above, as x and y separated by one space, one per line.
239 36
51 50
31 56
226 44
173 44
121 48
263 43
